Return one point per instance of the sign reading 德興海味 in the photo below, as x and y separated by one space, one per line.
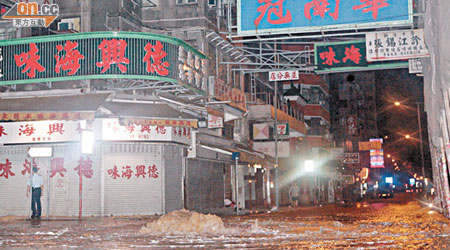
287 16
98 55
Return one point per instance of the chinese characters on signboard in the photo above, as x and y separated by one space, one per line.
224 92
100 55
57 169
112 130
40 116
415 66
346 56
285 75
351 158
215 121
284 16
139 172
396 45
39 132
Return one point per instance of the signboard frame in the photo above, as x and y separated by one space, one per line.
396 45
47 57
367 66
309 27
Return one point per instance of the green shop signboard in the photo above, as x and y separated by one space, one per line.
347 56
99 55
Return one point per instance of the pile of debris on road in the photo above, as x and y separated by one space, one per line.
185 222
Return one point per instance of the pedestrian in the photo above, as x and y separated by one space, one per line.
294 192
37 187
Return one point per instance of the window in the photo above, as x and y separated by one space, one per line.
186 1
211 3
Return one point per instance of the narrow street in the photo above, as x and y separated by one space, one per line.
399 223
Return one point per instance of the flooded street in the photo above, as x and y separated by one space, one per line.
399 223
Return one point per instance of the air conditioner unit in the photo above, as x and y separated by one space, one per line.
212 3
69 24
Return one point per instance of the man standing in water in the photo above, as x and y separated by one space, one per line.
37 187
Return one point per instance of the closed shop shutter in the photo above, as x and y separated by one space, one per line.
173 178
13 184
90 182
133 178
205 185
64 181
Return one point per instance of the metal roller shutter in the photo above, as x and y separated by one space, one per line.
127 190
63 182
13 200
173 178
205 188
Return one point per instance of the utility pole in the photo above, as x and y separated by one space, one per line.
421 142
275 100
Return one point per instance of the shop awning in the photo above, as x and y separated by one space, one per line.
64 107
150 114
250 156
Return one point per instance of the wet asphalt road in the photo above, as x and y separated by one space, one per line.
399 223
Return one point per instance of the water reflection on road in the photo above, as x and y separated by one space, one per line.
400 223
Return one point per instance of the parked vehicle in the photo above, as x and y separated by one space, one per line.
385 190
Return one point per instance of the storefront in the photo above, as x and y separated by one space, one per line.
136 167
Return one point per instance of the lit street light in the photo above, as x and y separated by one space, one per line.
397 103
407 136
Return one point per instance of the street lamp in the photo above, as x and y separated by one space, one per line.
309 166
407 136
397 103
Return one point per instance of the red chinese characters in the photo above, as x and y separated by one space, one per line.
26 129
5 169
270 7
320 9
113 52
153 59
2 131
140 171
114 173
371 5
160 130
130 128
57 166
127 172
84 167
27 167
329 57
153 171
71 59
352 54
144 128
30 60
56 128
